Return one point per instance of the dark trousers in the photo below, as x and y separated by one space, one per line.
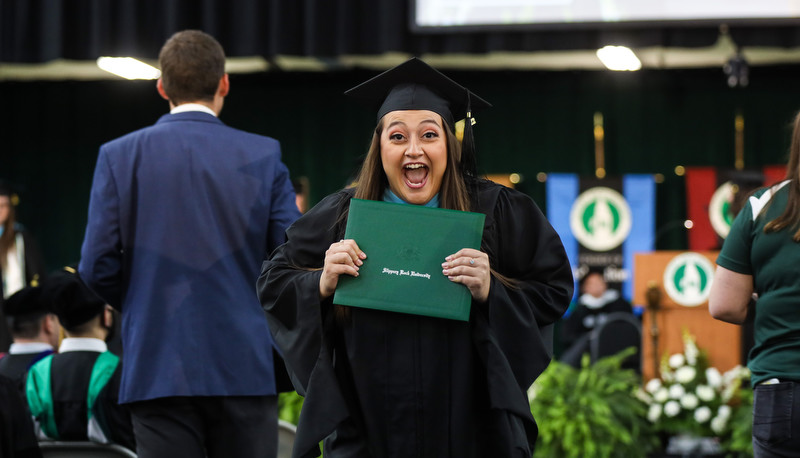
776 420
213 427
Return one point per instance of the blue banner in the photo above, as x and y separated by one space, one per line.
603 223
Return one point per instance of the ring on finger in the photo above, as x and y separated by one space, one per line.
472 261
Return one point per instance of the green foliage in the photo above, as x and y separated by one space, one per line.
740 440
591 411
289 405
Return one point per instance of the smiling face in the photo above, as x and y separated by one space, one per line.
414 154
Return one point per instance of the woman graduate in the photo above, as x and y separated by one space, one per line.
383 384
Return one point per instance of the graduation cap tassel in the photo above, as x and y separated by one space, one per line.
469 162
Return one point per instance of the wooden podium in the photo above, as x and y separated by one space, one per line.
665 318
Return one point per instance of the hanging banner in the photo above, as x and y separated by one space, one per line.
602 223
714 197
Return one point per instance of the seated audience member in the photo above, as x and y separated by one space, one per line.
35 332
17 439
594 305
73 395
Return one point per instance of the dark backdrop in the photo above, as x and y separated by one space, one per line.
42 30
541 122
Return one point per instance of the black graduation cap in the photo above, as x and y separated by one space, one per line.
25 302
70 299
6 189
415 85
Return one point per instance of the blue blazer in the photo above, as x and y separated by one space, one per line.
181 215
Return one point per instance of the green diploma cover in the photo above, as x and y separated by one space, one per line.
406 246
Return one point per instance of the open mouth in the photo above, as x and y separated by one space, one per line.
416 175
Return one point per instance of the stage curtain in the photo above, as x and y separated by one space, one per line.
43 30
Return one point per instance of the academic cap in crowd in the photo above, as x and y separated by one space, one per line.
6 189
70 299
25 302
415 85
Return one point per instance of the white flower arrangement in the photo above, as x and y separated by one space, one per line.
653 385
720 421
672 408
654 412
713 377
689 397
677 360
685 374
702 414
689 401
677 391
691 351
661 396
705 393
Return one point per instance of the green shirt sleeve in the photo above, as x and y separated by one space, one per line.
735 254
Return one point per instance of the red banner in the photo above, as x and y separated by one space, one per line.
709 203
701 182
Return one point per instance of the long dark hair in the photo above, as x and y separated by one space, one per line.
791 215
8 238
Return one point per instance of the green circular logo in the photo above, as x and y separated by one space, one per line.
687 279
600 219
719 212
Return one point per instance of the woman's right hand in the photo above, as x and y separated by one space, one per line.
343 257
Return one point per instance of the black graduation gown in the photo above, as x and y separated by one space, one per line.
584 318
70 376
15 366
384 384
17 438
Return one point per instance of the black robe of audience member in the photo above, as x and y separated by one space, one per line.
592 309
17 437
62 411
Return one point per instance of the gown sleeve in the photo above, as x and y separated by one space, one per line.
525 249
288 288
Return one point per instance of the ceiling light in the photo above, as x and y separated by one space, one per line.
128 67
619 58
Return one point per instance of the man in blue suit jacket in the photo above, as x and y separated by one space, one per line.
181 215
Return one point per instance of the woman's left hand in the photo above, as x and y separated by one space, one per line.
471 268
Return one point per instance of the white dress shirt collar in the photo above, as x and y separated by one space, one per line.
82 344
183 108
26 348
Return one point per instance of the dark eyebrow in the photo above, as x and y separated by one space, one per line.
432 121
424 121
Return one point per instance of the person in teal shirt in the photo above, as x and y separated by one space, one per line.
759 259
